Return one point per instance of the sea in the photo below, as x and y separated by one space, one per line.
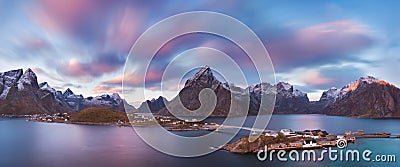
35 144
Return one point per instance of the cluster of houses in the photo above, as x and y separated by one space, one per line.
315 134
170 121
139 118
310 139
57 117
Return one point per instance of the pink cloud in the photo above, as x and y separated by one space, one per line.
35 43
106 89
135 79
99 65
314 77
111 26
124 29
323 43
75 68
65 15
131 80
333 36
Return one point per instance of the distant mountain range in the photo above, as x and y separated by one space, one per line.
21 94
366 97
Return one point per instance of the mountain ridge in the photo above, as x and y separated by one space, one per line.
21 94
368 97
293 101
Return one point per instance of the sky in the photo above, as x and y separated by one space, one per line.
314 45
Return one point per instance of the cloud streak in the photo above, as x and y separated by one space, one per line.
325 43
106 89
102 64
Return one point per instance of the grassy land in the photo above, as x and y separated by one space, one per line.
99 115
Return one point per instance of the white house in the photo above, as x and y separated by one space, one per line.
288 132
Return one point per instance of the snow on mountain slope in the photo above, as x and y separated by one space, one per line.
7 79
26 79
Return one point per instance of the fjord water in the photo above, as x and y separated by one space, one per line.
25 143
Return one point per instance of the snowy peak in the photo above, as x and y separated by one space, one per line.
261 88
46 86
298 93
28 78
21 94
105 98
43 85
116 96
363 80
283 86
367 97
286 89
68 92
204 77
12 75
205 71
331 94
7 79
368 79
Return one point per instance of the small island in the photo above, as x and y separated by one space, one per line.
287 139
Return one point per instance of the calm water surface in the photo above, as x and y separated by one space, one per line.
25 143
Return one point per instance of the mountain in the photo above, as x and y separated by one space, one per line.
21 94
154 105
327 98
7 80
113 101
367 97
189 96
73 101
288 100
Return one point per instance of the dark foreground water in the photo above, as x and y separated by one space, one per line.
25 143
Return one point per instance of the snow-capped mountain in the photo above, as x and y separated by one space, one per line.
330 95
153 105
113 101
366 97
27 79
7 80
46 86
287 99
354 85
24 96
189 95
20 93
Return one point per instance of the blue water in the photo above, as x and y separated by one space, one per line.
25 143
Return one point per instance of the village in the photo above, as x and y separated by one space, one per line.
57 117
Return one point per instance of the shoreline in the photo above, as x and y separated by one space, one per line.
359 117
86 123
